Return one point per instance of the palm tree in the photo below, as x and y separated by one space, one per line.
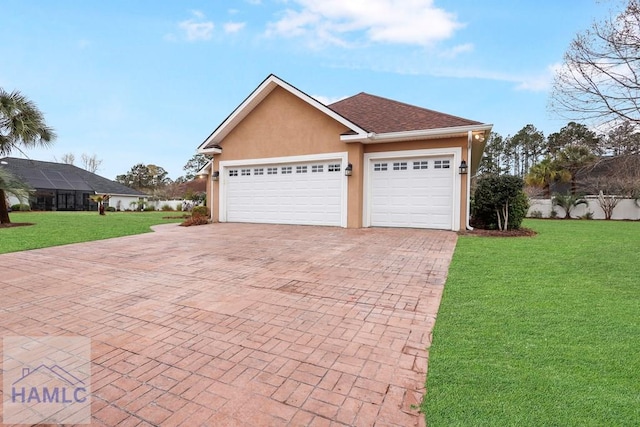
22 125
100 199
545 173
574 158
10 184
568 202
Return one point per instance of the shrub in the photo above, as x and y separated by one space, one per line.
587 215
499 202
553 213
195 220
110 208
149 208
166 207
536 214
200 211
568 202
20 207
179 207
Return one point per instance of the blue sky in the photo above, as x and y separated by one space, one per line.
147 81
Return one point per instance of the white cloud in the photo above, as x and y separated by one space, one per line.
412 22
541 82
457 50
234 27
327 100
197 28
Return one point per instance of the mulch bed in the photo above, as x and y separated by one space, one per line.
16 224
522 232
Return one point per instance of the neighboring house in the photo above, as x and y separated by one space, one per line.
284 157
63 187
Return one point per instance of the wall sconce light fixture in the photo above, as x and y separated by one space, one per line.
348 171
463 167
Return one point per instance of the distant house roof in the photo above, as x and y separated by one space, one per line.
61 176
381 115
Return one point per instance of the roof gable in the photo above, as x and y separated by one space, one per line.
381 115
254 99
60 176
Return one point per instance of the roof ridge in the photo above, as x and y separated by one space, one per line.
406 104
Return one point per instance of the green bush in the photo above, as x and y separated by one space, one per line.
179 207
166 207
587 215
536 214
110 209
200 211
149 208
497 197
20 207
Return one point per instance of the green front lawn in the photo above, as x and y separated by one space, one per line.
61 228
540 331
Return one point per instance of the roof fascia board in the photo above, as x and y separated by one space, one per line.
261 92
375 138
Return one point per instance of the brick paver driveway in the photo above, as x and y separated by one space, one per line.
241 324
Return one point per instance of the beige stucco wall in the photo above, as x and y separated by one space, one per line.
284 125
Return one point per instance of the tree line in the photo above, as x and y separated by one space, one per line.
154 180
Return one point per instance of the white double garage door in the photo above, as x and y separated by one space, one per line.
398 192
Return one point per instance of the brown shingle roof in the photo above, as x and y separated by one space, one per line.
382 115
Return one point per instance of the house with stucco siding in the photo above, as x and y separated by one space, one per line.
284 157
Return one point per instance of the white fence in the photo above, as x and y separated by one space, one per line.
626 209
185 205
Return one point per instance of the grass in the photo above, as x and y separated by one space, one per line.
540 331
61 228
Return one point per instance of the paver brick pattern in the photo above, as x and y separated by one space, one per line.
241 324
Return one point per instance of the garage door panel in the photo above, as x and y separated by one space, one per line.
278 197
419 195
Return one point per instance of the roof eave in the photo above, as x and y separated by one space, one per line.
211 150
449 132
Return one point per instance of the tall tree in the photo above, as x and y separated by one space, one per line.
10 184
574 158
195 163
600 78
22 125
145 177
491 163
68 158
622 140
529 142
574 135
90 163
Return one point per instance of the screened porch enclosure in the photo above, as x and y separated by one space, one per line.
62 200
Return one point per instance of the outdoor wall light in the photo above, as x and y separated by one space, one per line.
348 170
479 137
463 167
215 176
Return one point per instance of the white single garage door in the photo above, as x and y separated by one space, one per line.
308 193
412 192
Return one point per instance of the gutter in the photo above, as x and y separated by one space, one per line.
373 138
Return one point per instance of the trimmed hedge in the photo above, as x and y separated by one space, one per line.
492 194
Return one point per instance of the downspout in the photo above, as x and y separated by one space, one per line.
211 183
469 143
